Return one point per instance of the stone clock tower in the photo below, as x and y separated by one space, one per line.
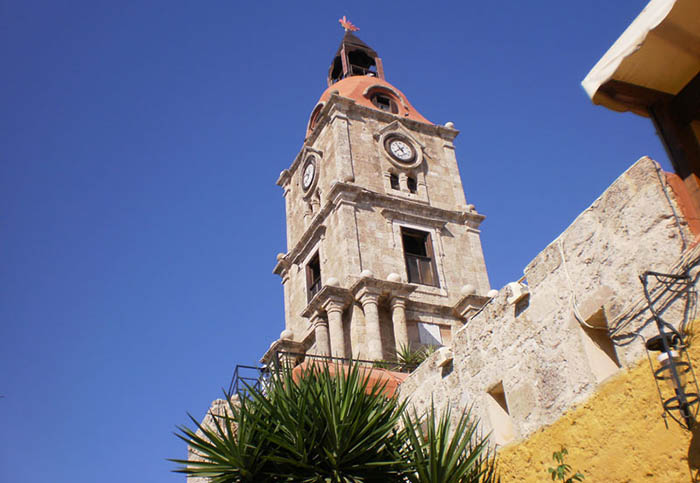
383 249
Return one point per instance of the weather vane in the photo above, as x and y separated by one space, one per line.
347 25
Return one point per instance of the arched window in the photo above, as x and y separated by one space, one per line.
315 114
385 102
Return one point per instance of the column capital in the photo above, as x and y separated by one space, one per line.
370 288
317 319
335 303
469 304
397 301
367 295
327 297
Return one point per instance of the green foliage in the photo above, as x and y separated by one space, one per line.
436 453
332 424
562 469
410 357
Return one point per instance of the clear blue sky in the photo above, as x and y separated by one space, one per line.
139 147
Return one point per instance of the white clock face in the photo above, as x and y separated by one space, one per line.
401 150
308 176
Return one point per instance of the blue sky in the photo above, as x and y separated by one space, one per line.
139 147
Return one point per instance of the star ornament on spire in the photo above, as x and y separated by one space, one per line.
347 25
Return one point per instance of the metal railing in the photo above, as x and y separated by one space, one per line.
247 377
256 378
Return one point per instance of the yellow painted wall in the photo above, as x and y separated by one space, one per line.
618 435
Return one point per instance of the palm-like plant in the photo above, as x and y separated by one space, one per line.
436 452
228 448
316 427
333 424
411 357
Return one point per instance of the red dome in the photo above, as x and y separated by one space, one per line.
364 90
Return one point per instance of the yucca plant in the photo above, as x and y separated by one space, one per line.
332 423
435 452
411 357
231 449
320 426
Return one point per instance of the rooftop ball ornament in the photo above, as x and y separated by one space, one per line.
679 391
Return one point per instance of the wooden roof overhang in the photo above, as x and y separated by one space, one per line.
655 58
653 70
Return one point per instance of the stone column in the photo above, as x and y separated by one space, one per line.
370 302
403 182
315 206
398 318
334 310
308 214
323 342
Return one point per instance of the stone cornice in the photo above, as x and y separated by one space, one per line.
385 288
469 303
281 345
305 243
380 288
414 210
397 208
411 218
391 208
326 294
430 308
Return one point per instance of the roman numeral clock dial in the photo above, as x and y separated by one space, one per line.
401 150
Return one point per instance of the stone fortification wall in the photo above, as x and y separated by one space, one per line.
525 359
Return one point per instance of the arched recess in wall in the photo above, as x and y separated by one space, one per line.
315 115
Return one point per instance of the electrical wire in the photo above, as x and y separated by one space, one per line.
670 203
572 299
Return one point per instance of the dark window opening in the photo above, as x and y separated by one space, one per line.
420 261
361 63
313 276
385 103
412 184
336 70
394 181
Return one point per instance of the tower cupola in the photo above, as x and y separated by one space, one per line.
354 57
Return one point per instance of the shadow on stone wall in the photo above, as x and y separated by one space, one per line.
694 455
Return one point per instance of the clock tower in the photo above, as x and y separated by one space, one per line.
383 250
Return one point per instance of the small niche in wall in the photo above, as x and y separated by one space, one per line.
598 347
499 415
522 305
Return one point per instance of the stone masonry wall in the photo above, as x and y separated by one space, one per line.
535 351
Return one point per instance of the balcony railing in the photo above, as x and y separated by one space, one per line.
246 378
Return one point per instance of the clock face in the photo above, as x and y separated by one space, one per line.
401 150
308 175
